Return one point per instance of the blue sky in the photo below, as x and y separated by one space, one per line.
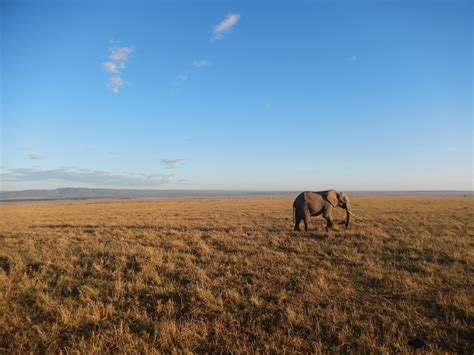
286 95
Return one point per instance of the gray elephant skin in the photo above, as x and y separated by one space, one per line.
315 203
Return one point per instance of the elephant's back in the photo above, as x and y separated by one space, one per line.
310 196
307 196
299 199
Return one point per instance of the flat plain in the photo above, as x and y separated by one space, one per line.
230 275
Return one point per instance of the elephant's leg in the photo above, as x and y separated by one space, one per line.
305 220
329 223
297 221
328 217
306 217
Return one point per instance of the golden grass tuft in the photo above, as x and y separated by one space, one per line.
215 275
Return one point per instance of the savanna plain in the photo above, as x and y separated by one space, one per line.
230 275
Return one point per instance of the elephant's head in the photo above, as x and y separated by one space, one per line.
341 200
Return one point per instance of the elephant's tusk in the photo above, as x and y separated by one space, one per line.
352 214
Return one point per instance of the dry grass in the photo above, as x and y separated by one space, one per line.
230 275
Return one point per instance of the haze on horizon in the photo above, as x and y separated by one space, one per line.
355 95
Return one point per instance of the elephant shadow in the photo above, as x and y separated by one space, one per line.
311 235
319 231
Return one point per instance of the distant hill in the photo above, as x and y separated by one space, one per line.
72 193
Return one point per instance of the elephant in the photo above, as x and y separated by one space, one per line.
309 203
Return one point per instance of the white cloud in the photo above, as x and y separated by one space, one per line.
172 163
113 67
117 59
183 77
115 83
201 63
36 157
225 26
85 176
158 176
120 54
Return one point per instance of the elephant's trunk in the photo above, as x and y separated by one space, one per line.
348 214
348 218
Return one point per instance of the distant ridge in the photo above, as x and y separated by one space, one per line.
72 193
85 193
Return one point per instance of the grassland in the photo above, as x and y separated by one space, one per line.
214 275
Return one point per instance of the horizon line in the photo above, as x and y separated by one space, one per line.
237 190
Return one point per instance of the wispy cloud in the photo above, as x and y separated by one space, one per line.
201 63
115 83
117 60
118 153
86 176
36 157
225 26
353 58
158 176
183 77
172 163
112 67
120 54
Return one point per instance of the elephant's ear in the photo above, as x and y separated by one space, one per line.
331 196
